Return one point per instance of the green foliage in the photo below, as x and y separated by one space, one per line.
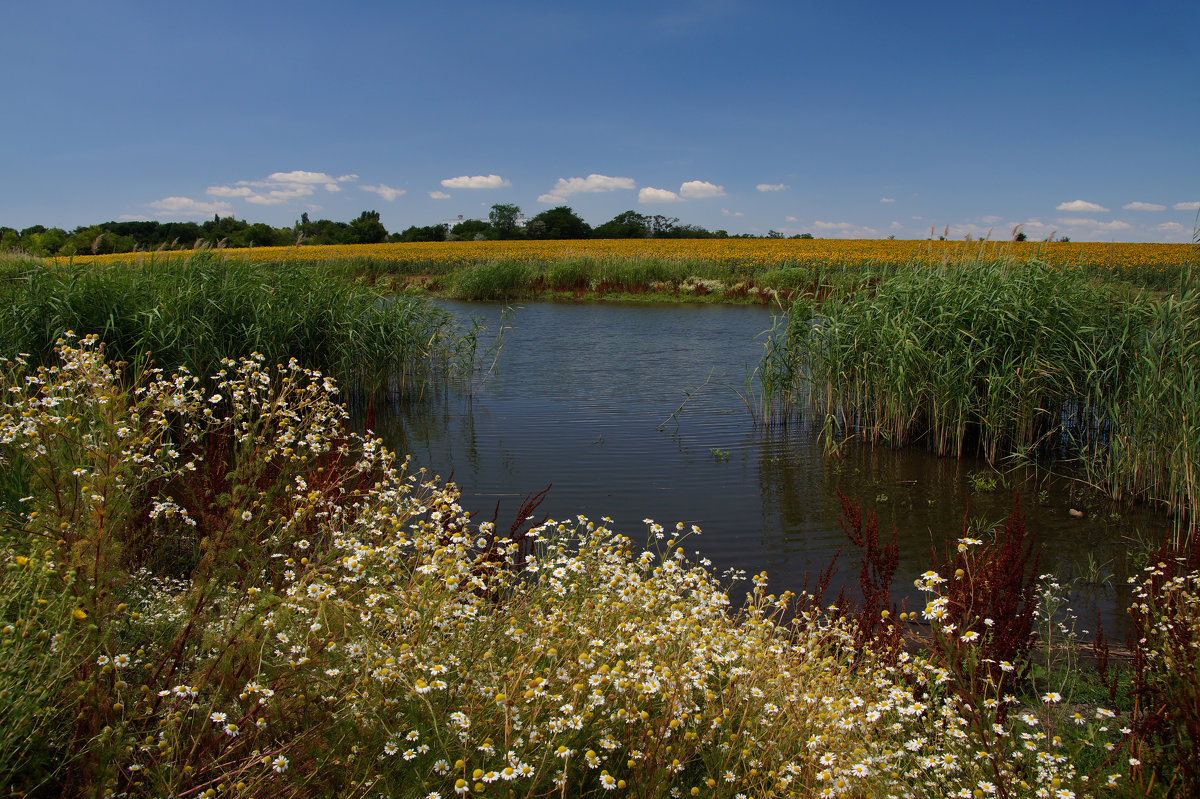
367 229
558 223
491 281
193 313
625 225
504 218
470 230
1006 359
427 233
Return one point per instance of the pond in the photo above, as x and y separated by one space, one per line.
635 412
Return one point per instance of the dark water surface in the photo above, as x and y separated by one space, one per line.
577 399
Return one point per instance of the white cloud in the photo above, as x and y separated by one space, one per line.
1140 206
847 228
727 212
476 182
887 199
771 186
1193 206
977 232
280 196
383 190
593 183
1173 227
896 226
790 219
185 206
1081 205
1115 224
701 189
230 191
301 176
439 195
653 195
281 187
990 219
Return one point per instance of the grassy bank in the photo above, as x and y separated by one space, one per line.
194 311
598 267
215 589
1009 359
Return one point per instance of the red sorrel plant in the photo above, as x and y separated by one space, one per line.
981 619
875 614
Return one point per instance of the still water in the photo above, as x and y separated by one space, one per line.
587 399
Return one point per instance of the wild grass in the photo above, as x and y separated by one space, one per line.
508 279
194 312
1009 359
212 588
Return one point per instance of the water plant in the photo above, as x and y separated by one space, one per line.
1010 360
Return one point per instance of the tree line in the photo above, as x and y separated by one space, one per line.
505 221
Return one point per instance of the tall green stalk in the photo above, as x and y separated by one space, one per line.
195 312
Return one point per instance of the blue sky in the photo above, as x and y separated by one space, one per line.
857 119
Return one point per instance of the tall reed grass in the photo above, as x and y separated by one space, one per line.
193 312
1004 359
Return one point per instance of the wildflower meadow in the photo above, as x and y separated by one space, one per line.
212 587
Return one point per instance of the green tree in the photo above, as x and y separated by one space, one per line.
662 226
96 239
367 229
261 234
470 229
504 218
42 241
426 233
625 225
324 231
224 228
558 223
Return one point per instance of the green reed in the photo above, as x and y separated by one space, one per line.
1154 447
195 312
1001 359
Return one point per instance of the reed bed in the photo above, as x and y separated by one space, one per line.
1001 358
194 311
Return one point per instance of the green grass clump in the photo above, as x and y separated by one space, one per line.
1010 359
492 281
197 311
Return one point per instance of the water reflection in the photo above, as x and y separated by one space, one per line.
582 396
